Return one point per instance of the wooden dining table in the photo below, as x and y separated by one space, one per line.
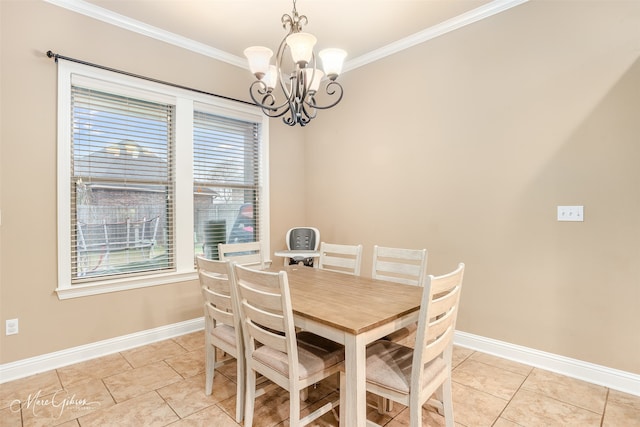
353 311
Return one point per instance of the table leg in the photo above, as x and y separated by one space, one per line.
355 412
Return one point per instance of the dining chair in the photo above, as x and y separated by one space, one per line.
410 376
222 325
341 258
249 253
291 360
406 266
400 265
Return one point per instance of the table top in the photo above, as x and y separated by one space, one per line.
354 304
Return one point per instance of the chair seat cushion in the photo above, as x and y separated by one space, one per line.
389 366
315 354
225 333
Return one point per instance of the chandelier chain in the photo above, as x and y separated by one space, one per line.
294 22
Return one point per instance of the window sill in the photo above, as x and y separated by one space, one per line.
116 285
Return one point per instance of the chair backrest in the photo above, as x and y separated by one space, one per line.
249 254
264 304
303 238
341 258
437 321
215 281
407 266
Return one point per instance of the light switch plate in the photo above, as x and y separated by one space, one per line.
570 213
11 327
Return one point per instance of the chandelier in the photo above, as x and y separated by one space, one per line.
302 83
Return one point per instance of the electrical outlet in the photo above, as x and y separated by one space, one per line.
12 326
570 213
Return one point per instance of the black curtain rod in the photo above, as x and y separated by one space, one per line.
56 56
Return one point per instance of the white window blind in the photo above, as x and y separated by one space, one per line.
121 185
138 161
226 159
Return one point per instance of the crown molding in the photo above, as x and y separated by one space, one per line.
434 31
135 26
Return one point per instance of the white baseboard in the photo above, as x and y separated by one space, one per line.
615 379
626 382
46 362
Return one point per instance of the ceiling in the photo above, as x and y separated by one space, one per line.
364 28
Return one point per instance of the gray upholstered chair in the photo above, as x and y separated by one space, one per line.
301 239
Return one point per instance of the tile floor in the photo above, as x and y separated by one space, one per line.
162 384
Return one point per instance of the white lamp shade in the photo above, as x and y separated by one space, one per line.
317 78
271 78
301 45
332 60
259 57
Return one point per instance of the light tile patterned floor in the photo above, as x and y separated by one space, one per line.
162 384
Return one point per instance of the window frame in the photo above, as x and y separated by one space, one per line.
185 102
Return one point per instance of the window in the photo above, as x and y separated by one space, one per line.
121 170
150 175
226 182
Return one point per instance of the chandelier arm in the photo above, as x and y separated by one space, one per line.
281 49
329 90
312 111
297 114
291 119
304 117
304 121
267 101
298 120
273 113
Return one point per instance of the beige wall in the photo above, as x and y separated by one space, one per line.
485 130
466 144
28 267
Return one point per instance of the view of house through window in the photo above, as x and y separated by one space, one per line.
123 184
226 182
149 176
